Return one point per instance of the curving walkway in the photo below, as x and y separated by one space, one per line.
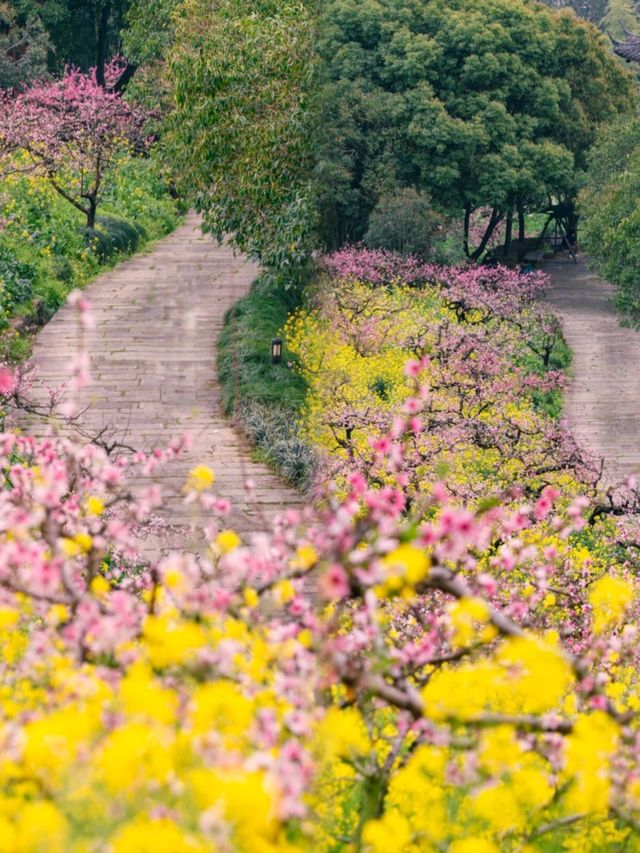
153 354
603 401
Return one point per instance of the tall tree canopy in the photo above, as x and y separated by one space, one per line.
610 205
283 108
149 32
147 40
481 103
590 10
621 17
241 132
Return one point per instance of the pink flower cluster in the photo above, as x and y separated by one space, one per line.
377 266
476 379
500 290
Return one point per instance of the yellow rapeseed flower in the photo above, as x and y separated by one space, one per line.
100 586
284 591
610 596
200 478
227 541
156 835
95 505
250 596
306 557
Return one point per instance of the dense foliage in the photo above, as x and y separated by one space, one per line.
489 103
374 679
82 33
621 17
23 48
149 34
239 135
405 222
610 207
591 10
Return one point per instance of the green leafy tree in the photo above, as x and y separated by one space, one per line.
241 134
24 47
479 103
621 17
150 29
147 39
610 207
405 222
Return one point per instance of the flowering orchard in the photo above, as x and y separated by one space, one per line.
478 342
372 678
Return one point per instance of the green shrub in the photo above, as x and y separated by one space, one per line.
610 213
63 269
275 436
99 242
53 295
114 236
405 222
265 398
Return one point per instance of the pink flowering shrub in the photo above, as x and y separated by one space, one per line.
70 131
377 266
368 677
497 288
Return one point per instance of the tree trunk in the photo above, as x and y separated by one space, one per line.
467 223
508 232
124 79
522 227
103 36
495 218
91 213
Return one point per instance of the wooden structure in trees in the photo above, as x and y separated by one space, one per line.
628 49
561 224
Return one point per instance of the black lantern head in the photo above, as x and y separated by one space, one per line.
276 350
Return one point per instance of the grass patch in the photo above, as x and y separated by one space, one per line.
265 398
560 356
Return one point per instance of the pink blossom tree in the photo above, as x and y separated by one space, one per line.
70 131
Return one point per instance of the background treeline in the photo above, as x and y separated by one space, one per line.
296 126
413 126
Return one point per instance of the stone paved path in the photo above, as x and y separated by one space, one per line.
153 364
603 400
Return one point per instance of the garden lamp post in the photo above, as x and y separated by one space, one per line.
276 350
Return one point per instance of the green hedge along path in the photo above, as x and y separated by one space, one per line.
153 355
602 402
